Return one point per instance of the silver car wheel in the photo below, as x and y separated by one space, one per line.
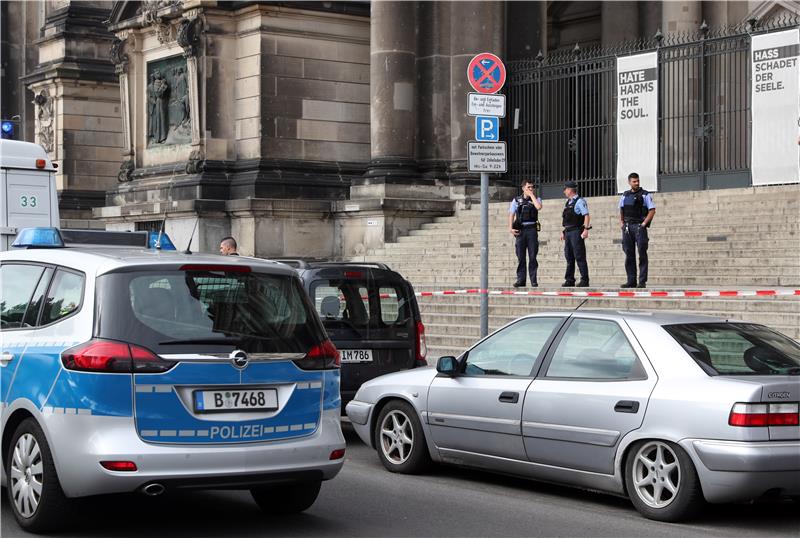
397 437
26 475
656 474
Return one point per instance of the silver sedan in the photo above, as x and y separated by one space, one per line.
669 410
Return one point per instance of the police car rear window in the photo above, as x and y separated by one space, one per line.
195 311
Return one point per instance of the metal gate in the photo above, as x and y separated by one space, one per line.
563 113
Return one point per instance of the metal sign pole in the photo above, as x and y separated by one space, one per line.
486 74
484 254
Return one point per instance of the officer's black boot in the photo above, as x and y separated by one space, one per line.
629 285
519 284
582 284
568 284
641 285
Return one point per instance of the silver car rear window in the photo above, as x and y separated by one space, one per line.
738 348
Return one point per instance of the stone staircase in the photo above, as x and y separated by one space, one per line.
723 239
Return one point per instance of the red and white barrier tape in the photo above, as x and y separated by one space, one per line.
626 294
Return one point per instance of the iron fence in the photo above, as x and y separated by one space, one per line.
563 112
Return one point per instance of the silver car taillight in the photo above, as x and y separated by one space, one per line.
763 414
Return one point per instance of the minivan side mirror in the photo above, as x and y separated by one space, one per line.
447 366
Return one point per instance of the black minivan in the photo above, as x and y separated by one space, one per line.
371 315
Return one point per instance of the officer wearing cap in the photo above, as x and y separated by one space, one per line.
576 223
523 223
636 212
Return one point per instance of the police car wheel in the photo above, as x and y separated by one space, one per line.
292 499
662 482
32 485
400 440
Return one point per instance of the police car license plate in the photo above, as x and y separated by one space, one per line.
356 355
210 401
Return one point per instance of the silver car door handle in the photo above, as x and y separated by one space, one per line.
5 358
509 397
627 406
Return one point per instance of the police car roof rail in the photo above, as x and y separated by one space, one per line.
308 263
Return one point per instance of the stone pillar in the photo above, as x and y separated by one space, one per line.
77 104
681 16
649 19
478 27
393 76
433 83
679 147
619 21
526 33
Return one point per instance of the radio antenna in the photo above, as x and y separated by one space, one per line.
582 303
189 245
169 202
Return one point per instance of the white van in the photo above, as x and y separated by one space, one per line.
28 196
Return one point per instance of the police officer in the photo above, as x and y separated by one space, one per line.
636 212
576 223
523 220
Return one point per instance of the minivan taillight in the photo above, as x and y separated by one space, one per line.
762 414
110 356
422 346
322 356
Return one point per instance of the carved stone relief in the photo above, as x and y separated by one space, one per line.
125 171
118 55
188 36
168 103
44 120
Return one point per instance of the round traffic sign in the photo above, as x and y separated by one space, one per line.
486 73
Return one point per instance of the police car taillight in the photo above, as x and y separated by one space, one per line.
110 356
321 357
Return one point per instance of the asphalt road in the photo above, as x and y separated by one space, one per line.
366 500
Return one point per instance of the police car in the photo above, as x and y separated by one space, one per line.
139 369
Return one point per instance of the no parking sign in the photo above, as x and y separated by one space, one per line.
486 73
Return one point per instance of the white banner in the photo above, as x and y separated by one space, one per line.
776 107
637 120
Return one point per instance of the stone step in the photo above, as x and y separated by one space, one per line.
702 230
783 210
610 268
754 249
511 305
602 259
655 281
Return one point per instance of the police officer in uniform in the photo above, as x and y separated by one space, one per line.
523 220
636 212
576 223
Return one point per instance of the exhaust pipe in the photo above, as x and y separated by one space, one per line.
153 490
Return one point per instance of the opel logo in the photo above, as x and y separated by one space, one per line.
239 359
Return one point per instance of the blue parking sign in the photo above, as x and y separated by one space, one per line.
487 128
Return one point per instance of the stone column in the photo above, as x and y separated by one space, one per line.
393 76
681 16
681 79
649 19
478 27
433 83
619 21
77 104
188 37
526 31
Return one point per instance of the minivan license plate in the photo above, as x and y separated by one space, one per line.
210 401
356 355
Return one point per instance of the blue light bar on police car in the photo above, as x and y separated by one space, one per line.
165 241
38 238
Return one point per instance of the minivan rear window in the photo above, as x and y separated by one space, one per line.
352 308
738 348
174 311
